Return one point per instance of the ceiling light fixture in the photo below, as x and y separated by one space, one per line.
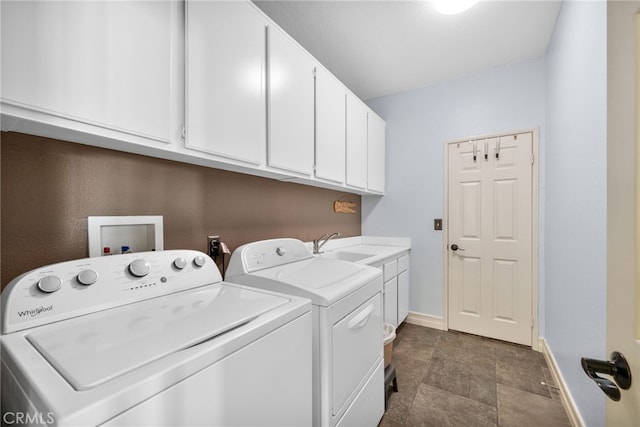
453 7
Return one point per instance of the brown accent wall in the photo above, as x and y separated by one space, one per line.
50 187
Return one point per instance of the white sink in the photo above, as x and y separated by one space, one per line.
346 256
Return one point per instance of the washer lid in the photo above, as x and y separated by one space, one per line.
90 350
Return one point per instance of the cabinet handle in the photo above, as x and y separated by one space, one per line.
361 318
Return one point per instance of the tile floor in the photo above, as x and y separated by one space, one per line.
456 379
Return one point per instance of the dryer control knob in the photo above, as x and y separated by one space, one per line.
281 251
139 267
87 277
49 284
199 261
180 263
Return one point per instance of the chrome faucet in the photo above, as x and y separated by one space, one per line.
317 245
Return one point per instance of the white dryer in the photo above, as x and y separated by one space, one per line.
348 371
153 338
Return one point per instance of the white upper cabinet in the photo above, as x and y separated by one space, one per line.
139 76
226 67
290 139
375 153
99 64
356 172
330 127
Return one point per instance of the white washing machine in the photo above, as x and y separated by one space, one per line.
153 338
347 311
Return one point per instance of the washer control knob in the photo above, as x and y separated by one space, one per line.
281 251
180 263
199 261
139 267
49 284
87 277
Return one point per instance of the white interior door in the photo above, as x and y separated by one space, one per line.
623 263
490 227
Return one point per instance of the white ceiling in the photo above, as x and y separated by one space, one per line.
378 48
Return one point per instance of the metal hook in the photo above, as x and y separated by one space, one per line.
498 148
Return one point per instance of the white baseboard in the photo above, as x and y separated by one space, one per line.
427 320
567 400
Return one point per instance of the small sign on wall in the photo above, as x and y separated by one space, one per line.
344 207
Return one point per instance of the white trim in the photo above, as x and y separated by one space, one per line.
421 319
534 230
567 400
445 241
535 240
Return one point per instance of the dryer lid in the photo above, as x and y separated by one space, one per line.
322 280
90 350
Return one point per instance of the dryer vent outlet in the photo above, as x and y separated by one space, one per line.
213 245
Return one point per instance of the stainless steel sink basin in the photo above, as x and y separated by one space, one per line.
346 255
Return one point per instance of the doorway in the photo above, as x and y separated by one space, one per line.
491 240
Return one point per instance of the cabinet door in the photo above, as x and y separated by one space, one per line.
226 96
103 63
403 296
291 105
356 143
330 127
376 153
391 302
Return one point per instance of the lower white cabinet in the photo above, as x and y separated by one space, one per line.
395 273
403 288
391 301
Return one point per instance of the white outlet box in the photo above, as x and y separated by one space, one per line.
139 233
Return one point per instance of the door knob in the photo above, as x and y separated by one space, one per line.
617 367
455 247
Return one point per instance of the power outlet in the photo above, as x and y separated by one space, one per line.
213 246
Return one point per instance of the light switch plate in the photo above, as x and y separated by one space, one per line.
437 224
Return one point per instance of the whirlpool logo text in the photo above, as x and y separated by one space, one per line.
35 311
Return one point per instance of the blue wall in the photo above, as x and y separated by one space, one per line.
576 198
564 95
419 123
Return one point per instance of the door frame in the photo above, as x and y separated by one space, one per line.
535 339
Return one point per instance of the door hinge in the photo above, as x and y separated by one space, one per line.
533 158
184 132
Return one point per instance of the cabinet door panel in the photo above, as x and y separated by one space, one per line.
291 105
226 60
330 127
356 173
376 153
104 63
391 302
403 296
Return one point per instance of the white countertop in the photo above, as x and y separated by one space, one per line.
380 248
